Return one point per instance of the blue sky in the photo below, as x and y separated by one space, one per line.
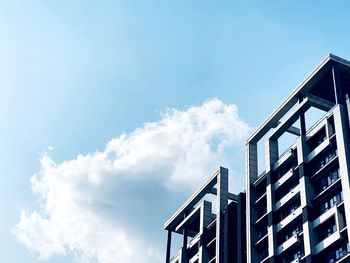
76 74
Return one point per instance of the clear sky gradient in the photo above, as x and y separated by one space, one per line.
75 74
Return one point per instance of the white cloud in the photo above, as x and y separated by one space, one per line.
109 206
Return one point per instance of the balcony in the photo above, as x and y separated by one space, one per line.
326 163
260 199
297 260
341 254
194 241
324 217
287 197
320 148
283 179
327 189
296 256
344 258
327 242
260 218
289 218
264 256
261 239
195 258
285 156
316 127
335 200
291 242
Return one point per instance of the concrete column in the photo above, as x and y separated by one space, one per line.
302 119
302 124
205 220
340 220
308 246
240 242
271 150
271 240
336 85
168 247
271 153
301 149
271 231
342 138
205 216
347 102
306 189
221 223
252 175
306 195
184 257
252 162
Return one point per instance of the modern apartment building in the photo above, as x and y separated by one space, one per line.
297 205
211 223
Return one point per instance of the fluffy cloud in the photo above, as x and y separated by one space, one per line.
109 206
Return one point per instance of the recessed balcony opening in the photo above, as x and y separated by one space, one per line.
285 168
317 139
322 161
337 252
176 244
263 252
329 202
294 229
312 117
260 189
288 208
286 188
326 229
294 254
288 139
327 179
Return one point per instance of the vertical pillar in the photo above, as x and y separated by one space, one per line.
340 220
302 121
271 232
168 247
336 85
239 229
205 220
306 190
347 102
305 196
305 185
252 162
252 175
342 138
271 150
271 153
221 223
184 257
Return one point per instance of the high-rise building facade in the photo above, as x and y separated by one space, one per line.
297 205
